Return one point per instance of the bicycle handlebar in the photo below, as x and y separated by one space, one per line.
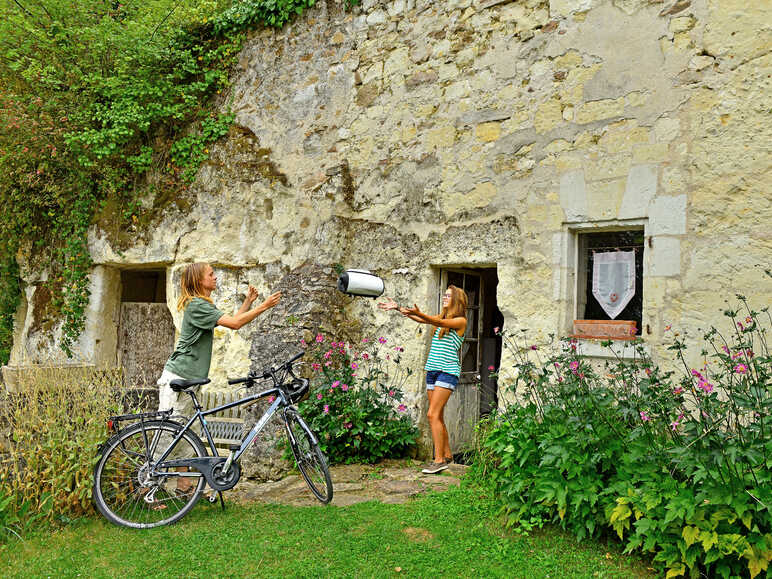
267 373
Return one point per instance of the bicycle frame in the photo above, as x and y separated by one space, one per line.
281 401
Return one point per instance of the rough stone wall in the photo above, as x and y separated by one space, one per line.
412 134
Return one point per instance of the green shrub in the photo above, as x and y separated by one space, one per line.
52 427
677 465
355 405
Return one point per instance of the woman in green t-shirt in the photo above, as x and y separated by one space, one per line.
193 353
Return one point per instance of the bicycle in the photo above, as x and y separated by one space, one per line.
142 482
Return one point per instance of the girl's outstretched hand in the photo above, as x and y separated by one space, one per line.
388 305
414 311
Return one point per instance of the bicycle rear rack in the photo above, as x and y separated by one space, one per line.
113 423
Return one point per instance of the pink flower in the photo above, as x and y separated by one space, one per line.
737 355
648 371
271 399
319 396
354 365
328 363
491 368
327 354
667 328
574 365
645 417
391 392
365 340
534 347
303 343
696 373
557 364
326 409
740 369
706 386
725 349
319 338
335 384
316 367
344 387
739 325
678 390
749 353
348 425
496 330
382 340
401 407
365 356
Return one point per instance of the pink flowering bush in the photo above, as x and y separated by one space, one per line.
675 463
355 406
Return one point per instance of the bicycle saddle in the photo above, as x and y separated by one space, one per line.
179 385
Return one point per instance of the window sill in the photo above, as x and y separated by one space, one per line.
618 349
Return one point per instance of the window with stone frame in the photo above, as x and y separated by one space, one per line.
587 307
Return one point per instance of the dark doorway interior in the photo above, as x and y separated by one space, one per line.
143 285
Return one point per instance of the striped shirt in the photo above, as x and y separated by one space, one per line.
443 353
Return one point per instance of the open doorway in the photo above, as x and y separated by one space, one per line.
146 329
477 393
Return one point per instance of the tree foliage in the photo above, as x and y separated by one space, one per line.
105 106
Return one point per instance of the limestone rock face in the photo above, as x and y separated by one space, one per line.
408 136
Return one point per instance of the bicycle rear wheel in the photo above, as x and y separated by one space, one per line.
308 456
126 492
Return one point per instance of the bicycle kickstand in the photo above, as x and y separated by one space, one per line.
222 500
212 498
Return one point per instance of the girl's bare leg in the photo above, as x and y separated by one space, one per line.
437 402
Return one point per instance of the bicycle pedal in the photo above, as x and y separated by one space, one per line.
212 498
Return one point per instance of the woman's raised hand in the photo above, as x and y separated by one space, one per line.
272 300
251 294
388 305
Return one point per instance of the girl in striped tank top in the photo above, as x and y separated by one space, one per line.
443 365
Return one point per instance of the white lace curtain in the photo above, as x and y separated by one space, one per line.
613 280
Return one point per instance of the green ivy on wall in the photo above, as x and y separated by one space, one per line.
103 104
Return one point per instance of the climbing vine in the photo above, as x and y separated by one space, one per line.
107 109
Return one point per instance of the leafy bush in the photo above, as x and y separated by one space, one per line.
52 427
676 464
355 402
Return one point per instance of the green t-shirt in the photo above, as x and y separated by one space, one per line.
193 353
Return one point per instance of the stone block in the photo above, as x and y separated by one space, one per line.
570 59
665 257
563 8
598 110
488 132
548 116
377 17
573 195
667 215
448 71
666 129
458 90
441 137
604 199
397 62
650 153
441 48
681 24
421 77
608 167
640 188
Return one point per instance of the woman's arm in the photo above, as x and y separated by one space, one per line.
244 317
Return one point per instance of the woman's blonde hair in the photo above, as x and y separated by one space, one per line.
190 284
456 307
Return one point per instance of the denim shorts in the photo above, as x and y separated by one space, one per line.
441 379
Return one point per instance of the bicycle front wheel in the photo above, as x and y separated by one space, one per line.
130 491
308 456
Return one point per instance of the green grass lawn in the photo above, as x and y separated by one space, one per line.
455 534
